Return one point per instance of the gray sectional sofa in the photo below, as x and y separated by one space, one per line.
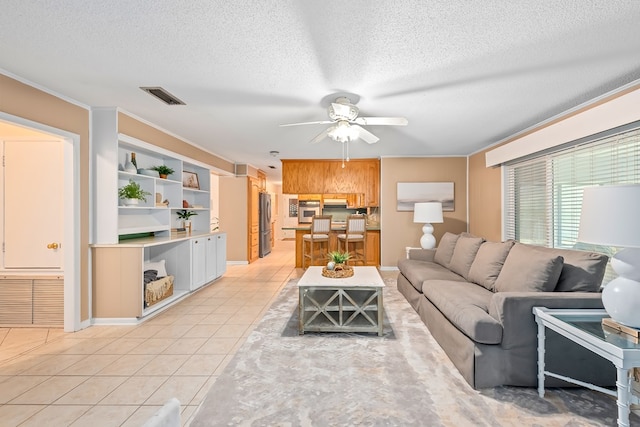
476 298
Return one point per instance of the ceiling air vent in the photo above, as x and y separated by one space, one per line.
162 95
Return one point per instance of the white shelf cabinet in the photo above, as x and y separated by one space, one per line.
110 151
221 254
118 259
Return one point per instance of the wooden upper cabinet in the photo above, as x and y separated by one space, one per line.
372 193
302 176
359 176
350 179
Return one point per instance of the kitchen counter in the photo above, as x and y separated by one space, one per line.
373 241
334 227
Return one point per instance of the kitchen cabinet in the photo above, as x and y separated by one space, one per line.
311 177
350 179
253 227
302 176
372 192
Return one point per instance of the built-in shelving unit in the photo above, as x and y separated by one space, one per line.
154 216
125 238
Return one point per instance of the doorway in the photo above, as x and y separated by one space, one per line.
17 131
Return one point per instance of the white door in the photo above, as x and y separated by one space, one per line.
33 204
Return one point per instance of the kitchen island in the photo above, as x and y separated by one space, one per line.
373 241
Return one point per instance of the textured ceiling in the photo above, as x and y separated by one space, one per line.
465 73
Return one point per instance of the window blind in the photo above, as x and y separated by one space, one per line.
543 195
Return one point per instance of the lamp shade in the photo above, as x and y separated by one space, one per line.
429 212
610 216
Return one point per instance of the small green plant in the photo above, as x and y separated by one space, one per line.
133 191
185 214
163 170
339 257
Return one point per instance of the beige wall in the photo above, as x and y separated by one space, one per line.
142 131
398 228
485 199
32 104
233 216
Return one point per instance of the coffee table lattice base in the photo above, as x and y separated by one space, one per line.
344 309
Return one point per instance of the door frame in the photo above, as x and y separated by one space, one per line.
71 201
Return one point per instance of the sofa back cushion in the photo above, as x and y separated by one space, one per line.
582 271
488 263
527 269
444 251
464 253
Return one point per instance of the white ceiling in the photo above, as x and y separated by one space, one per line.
466 73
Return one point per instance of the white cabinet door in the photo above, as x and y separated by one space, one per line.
211 259
221 254
198 262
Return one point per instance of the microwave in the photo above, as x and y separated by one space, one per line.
307 209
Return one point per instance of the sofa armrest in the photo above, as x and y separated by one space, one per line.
422 254
514 310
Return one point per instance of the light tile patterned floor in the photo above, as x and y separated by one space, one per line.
121 375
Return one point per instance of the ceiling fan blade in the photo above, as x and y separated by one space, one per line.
322 135
365 135
323 122
377 121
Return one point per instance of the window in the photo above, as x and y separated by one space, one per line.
543 195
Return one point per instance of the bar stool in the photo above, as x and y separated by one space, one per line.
318 240
356 236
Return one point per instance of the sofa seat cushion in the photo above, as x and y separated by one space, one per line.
419 271
466 306
528 269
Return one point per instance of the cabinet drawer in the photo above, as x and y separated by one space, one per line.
254 239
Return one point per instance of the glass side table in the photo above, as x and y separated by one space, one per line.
584 327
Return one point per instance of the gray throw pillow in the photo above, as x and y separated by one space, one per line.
529 270
444 251
464 254
582 271
488 263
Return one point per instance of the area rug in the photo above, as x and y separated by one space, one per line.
281 378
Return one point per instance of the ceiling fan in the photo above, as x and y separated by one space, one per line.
344 116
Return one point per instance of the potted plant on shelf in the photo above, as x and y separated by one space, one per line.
184 215
132 193
163 170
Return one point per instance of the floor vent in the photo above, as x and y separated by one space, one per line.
162 95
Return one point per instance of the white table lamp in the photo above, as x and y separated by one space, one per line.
427 213
610 218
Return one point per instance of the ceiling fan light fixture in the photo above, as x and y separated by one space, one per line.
343 132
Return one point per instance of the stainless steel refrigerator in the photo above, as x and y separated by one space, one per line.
265 224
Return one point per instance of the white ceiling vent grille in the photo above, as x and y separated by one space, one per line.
162 95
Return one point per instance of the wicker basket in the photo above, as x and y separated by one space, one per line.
164 289
339 271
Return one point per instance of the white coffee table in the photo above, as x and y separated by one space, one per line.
352 304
